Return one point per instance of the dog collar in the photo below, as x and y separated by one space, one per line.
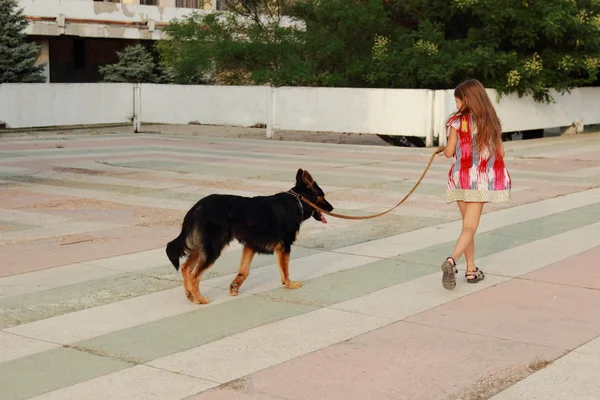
290 192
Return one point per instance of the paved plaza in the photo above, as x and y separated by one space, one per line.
90 307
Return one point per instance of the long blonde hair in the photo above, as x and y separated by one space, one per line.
477 103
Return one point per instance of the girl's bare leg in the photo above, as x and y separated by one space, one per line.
471 214
471 217
470 250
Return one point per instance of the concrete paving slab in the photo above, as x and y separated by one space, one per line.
85 324
532 256
48 279
13 346
27 377
550 315
384 269
580 270
575 376
400 361
139 382
263 347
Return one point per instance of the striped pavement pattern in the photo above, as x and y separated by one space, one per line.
91 308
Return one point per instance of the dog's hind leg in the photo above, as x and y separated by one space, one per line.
247 256
283 260
186 268
195 275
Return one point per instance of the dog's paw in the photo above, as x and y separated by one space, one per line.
234 288
293 284
190 296
201 300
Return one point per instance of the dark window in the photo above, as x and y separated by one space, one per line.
79 53
188 3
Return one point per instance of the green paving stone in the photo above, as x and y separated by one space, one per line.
123 189
236 172
18 177
228 264
11 226
182 332
406 185
352 283
49 303
51 370
259 156
325 179
173 194
170 335
554 224
511 236
485 244
364 231
9 155
566 179
76 151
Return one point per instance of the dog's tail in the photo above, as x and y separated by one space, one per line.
176 249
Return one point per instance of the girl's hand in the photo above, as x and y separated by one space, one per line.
451 143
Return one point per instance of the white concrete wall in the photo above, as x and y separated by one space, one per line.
519 114
378 111
37 105
383 111
212 105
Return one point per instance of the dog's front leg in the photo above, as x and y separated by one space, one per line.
283 260
247 256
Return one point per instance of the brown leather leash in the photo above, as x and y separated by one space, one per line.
435 153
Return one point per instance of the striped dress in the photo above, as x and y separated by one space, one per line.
475 177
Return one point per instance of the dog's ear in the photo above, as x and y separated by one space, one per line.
299 176
308 180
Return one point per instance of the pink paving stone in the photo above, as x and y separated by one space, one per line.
232 394
542 313
550 165
69 143
589 155
124 216
15 198
581 270
400 361
49 253
49 164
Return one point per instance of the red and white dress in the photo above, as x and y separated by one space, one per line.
475 177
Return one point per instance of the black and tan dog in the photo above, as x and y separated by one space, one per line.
262 224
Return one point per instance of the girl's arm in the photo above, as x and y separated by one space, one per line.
451 143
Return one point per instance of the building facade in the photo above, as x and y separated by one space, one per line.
76 37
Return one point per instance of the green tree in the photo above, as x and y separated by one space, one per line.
136 65
17 56
522 46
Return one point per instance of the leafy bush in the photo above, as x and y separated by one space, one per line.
522 46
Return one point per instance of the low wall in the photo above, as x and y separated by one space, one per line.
404 112
209 105
383 111
26 105
523 113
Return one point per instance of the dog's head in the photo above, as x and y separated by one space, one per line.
310 190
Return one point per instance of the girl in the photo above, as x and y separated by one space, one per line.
478 174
